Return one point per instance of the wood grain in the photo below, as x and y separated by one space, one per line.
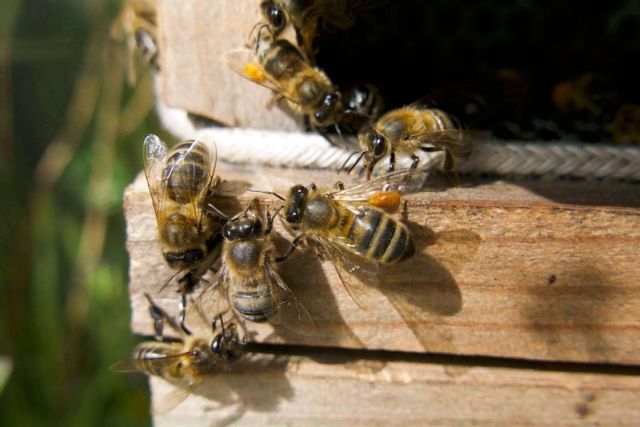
349 391
195 37
545 270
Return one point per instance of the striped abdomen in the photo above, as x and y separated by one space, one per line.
152 357
376 235
186 171
254 303
435 120
282 61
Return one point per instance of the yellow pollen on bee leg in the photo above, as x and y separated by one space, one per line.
254 72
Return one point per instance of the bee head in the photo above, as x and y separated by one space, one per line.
296 202
242 228
328 110
226 344
374 144
363 98
274 15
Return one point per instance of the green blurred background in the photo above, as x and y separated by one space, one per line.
70 136
71 130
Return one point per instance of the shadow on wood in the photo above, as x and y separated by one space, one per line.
571 306
422 299
309 283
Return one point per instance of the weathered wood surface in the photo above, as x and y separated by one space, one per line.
347 391
545 270
195 37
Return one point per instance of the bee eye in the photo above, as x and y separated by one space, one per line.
276 17
320 116
229 232
330 100
297 198
379 145
257 228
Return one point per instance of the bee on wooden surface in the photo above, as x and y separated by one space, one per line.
309 17
136 25
279 66
181 182
410 129
187 362
247 279
354 227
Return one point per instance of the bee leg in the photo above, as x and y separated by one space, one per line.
159 317
414 162
156 314
392 162
296 242
270 219
182 307
274 100
405 212
326 136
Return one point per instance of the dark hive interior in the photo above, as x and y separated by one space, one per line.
513 53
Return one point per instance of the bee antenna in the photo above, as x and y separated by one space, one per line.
347 160
218 211
356 162
169 281
253 190
339 132
259 36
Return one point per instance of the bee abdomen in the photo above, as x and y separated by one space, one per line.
148 354
186 171
255 306
380 237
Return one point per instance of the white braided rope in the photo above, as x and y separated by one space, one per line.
293 150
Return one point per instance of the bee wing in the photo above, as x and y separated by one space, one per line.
245 63
231 188
154 152
148 364
199 180
130 365
403 182
167 397
459 142
352 270
212 300
292 314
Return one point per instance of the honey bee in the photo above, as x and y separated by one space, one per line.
181 182
362 103
309 17
591 95
279 66
136 25
625 126
354 227
247 278
190 360
410 129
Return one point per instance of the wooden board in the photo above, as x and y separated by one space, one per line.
545 270
339 390
195 37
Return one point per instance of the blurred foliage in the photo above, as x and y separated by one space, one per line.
70 138
5 371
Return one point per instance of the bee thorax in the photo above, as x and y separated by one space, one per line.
244 255
320 214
